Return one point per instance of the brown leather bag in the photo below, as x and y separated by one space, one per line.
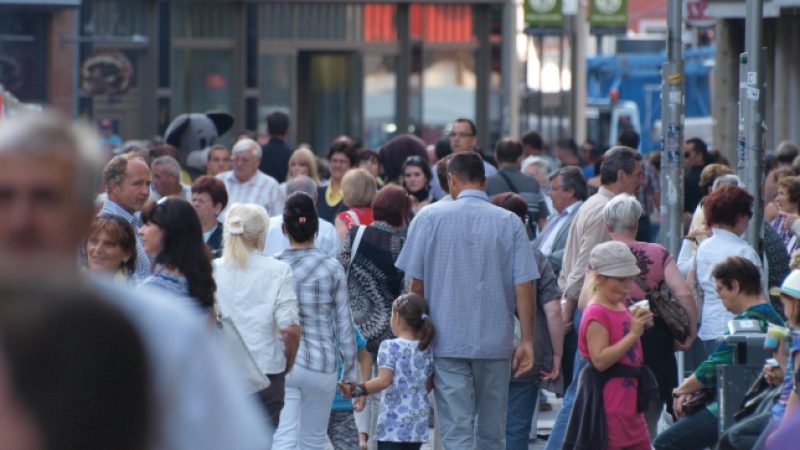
664 305
698 401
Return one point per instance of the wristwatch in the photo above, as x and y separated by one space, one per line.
359 391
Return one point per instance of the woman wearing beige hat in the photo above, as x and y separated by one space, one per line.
616 381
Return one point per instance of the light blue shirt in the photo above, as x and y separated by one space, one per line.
470 255
142 260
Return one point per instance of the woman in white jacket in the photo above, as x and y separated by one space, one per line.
257 292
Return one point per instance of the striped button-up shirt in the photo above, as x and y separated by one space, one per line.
470 255
142 260
261 189
321 289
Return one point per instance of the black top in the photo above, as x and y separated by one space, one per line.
275 159
373 280
214 242
326 211
692 193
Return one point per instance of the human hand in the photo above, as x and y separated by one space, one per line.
359 403
522 361
345 388
773 374
555 370
682 346
677 405
640 317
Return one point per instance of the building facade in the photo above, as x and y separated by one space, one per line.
367 69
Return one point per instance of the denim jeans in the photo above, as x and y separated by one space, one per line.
384 445
556 439
744 434
522 401
698 431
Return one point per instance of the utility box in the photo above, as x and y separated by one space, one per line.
735 379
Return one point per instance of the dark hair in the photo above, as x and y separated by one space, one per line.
726 204
214 187
699 146
786 152
300 217
391 205
469 122
467 167
441 173
184 248
366 154
512 202
629 138
344 147
395 152
569 145
618 158
533 139
77 365
121 232
442 148
572 179
508 150
277 123
741 270
420 162
414 311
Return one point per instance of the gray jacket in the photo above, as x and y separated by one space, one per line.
560 241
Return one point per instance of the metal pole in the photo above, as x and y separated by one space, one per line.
672 97
754 117
510 70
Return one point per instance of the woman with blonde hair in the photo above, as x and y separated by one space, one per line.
256 292
303 162
359 187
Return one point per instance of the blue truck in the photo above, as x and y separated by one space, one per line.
624 90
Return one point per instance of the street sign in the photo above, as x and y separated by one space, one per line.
696 14
543 13
608 13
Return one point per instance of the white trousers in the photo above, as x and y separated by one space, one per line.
306 410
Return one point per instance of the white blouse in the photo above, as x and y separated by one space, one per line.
260 300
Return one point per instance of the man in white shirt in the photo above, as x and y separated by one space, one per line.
48 176
567 191
327 240
165 177
247 184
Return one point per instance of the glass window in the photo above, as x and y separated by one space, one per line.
448 90
114 18
22 50
204 20
277 76
311 21
202 80
380 83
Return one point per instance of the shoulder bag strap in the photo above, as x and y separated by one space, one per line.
356 243
644 287
353 217
508 182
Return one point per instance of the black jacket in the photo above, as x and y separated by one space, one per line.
275 159
587 421
215 242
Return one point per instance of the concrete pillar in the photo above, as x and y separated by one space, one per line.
60 54
725 109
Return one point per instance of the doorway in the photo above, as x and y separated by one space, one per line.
329 92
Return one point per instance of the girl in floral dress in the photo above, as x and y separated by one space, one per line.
405 369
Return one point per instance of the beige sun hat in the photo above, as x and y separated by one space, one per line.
613 259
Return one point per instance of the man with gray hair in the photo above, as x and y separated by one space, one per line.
165 177
48 174
620 172
327 240
246 184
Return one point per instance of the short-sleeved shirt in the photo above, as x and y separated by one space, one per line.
470 255
626 426
404 405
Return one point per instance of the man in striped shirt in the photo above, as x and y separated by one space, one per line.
247 184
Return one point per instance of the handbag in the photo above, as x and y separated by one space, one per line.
244 363
666 306
698 401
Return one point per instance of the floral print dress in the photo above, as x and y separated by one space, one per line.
404 405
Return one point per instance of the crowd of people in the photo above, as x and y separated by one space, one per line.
372 290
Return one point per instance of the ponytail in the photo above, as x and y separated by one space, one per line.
413 309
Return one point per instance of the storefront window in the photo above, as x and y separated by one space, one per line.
202 80
448 90
380 83
114 18
22 50
276 82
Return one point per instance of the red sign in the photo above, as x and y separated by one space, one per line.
696 14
